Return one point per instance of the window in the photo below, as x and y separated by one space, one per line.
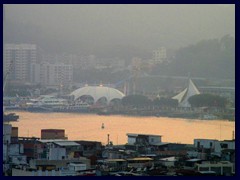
211 144
198 144
224 145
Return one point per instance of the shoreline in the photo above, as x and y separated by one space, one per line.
187 117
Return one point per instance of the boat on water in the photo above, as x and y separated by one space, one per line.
76 107
45 103
208 117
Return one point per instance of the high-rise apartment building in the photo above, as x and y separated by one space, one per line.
47 74
20 57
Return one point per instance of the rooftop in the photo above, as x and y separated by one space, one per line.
67 143
60 142
135 135
140 159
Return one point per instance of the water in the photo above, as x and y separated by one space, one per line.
89 127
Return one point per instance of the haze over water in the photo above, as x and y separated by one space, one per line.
88 127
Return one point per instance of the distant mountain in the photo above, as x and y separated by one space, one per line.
214 58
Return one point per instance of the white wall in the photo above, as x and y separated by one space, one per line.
57 153
218 148
131 140
205 143
77 167
154 139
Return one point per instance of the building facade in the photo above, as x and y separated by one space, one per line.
19 57
159 55
47 74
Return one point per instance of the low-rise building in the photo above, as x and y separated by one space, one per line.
221 168
143 139
53 134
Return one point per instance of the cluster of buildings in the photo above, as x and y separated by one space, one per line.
25 66
143 155
30 65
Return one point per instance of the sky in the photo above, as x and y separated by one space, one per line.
142 26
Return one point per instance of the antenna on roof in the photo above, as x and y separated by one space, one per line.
108 139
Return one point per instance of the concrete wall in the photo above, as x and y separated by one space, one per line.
15 149
57 153
205 143
7 131
19 159
131 140
219 168
58 163
218 148
154 139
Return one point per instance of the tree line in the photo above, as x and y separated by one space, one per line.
200 100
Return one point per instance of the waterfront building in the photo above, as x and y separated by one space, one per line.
97 95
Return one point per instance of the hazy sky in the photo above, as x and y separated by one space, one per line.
144 26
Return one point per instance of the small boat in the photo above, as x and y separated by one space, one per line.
208 117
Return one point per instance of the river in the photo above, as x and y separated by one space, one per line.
88 127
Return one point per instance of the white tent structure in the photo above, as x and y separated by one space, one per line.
183 96
98 92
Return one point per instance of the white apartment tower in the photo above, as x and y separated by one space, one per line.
47 74
20 57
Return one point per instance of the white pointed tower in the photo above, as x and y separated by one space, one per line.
183 96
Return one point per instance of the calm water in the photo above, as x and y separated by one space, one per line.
88 127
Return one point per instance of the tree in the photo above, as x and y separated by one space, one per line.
208 100
165 102
136 101
207 58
